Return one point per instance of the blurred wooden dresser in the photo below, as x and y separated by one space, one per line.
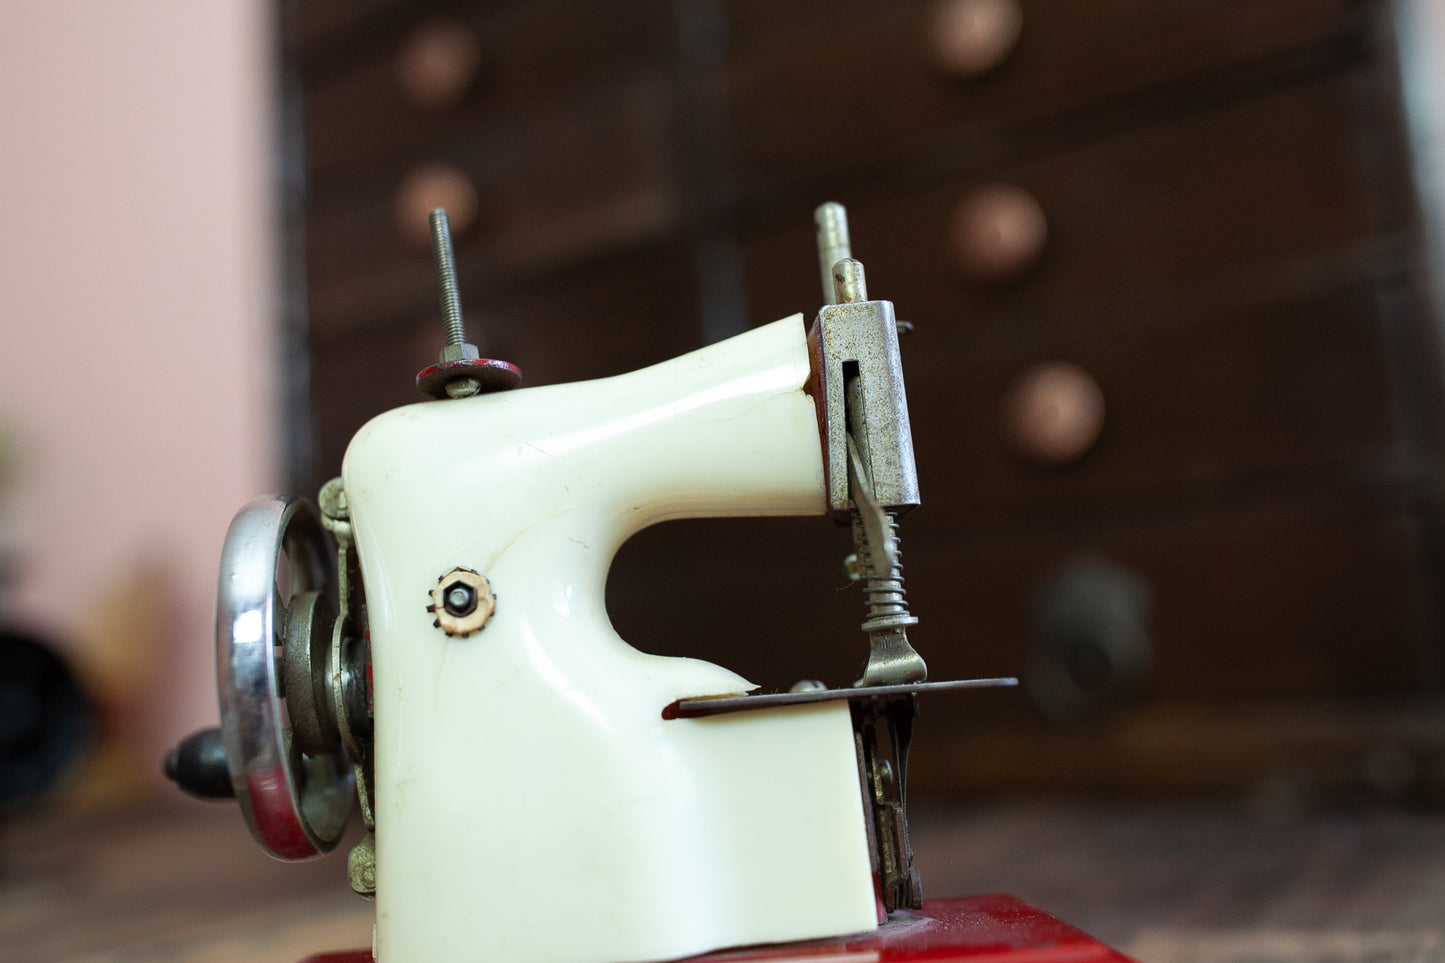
1174 378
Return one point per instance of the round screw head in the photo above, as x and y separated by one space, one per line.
463 387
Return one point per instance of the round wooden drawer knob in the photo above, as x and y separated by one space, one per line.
438 64
971 37
428 187
1053 413
997 233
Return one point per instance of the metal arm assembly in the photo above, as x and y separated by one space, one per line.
868 445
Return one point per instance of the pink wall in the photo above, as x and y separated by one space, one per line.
138 310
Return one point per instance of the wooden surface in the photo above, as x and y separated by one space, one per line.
1168 883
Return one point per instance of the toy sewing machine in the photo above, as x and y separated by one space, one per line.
534 788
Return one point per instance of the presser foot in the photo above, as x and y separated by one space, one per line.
892 661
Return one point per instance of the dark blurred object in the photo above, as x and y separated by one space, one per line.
1090 639
1222 235
46 722
198 765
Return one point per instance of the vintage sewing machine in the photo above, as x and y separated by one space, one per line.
533 788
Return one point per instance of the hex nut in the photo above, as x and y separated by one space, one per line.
465 620
460 599
459 352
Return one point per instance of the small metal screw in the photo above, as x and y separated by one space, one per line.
441 242
457 348
461 599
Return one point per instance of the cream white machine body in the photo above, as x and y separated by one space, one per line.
533 787
532 758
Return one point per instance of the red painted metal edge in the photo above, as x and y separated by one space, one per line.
493 375
977 929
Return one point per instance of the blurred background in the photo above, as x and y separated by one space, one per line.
1175 381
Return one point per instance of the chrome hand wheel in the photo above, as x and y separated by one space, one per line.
277 574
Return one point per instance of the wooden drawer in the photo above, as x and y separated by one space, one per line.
1280 192
820 89
1231 255
579 181
529 56
616 316
1198 409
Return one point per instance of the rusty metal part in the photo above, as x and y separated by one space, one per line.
361 867
859 380
871 517
462 602
883 728
348 658
346 673
310 619
334 508
891 659
720 705
849 284
868 444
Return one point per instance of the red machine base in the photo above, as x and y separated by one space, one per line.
978 929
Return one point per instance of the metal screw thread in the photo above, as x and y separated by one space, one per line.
451 298
887 607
